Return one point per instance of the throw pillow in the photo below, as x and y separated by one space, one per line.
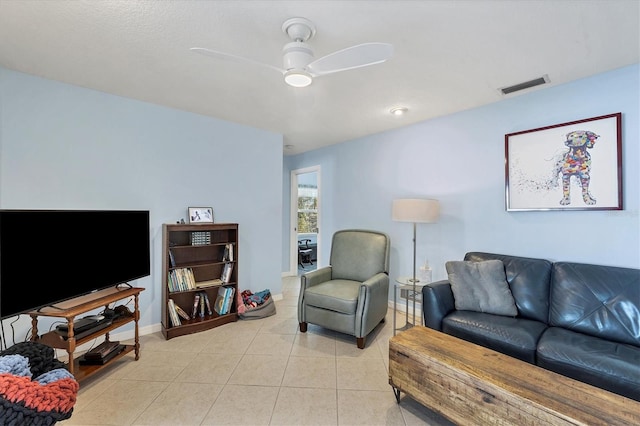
481 287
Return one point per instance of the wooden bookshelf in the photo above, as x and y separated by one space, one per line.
205 258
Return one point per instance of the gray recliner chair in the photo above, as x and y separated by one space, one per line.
351 295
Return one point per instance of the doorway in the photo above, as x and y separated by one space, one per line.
305 219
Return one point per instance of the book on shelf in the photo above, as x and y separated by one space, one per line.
181 312
208 283
175 279
181 279
188 281
207 302
202 305
173 314
225 301
218 305
196 304
170 284
227 256
226 272
200 238
173 282
172 260
230 292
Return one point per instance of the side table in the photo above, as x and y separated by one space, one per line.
404 283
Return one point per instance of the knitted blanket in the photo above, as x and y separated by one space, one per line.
35 388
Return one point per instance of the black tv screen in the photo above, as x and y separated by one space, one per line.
47 256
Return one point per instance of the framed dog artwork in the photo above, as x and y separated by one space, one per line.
569 166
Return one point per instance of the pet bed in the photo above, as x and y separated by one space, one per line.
256 306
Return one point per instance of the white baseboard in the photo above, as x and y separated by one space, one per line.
402 306
130 334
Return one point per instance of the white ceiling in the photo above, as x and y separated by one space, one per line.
449 55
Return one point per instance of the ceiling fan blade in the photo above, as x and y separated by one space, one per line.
358 56
234 58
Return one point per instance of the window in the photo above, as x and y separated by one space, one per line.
307 209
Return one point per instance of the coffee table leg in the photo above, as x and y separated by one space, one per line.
396 392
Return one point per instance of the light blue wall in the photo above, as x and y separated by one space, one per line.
459 159
65 147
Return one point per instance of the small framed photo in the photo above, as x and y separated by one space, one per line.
568 166
200 215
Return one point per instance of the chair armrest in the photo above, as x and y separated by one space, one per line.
375 282
310 279
373 302
437 302
316 277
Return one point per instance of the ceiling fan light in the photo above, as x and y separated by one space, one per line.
297 78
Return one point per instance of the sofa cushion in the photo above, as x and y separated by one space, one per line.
334 295
481 287
529 280
516 337
602 301
602 363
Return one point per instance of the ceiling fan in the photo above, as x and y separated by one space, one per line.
299 66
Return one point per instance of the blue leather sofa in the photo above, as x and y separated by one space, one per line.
579 320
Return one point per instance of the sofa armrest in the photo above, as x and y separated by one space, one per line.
437 302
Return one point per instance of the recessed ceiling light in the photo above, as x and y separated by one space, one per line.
397 111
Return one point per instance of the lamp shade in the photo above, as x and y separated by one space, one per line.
415 210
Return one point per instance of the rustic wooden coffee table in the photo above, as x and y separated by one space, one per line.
470 384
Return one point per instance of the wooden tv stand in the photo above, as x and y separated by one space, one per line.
70 309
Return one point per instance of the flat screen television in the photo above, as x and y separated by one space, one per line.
47 256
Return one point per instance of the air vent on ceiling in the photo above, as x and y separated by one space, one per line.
527 84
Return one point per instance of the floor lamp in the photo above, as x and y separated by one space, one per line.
415 211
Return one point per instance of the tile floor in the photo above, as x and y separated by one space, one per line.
258 372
